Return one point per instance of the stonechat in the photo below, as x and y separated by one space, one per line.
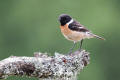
74 31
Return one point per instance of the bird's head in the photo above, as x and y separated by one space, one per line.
64 18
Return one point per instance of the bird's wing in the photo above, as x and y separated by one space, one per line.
76 26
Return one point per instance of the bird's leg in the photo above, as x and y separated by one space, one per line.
72 48
81 44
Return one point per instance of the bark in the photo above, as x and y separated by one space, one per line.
42 66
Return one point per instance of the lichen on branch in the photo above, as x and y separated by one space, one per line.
42 66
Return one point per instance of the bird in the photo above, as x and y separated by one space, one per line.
74 31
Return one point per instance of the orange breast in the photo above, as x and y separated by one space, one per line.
71 35
65 30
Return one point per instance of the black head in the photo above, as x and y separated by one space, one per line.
64 18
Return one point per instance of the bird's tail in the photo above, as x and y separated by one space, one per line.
98 37
95 36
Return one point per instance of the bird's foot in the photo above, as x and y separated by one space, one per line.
80 49
69 52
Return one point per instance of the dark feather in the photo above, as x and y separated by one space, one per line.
76 26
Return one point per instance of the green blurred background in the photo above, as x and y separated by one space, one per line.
28 26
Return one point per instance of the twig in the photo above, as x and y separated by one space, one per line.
42 66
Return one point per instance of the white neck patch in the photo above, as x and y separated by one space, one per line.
70 22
